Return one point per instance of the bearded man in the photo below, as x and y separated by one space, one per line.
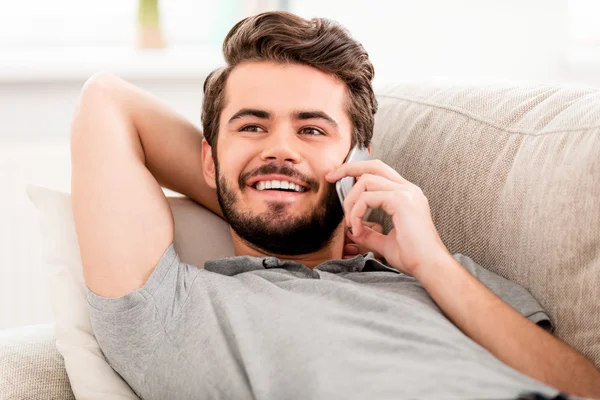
289 316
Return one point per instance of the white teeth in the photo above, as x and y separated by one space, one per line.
275 184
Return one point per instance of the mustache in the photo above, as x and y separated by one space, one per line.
286 170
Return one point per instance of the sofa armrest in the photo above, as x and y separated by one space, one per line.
30 365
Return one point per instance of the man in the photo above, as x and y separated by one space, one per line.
287 317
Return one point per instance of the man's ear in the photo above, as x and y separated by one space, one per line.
208 165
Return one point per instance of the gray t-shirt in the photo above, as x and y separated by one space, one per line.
262 328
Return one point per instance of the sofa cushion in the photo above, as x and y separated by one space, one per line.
512 174
30 366
199 236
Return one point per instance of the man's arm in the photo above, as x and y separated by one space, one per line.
172 144
415 248
513 339
124 145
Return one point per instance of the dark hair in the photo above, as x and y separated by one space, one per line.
287 38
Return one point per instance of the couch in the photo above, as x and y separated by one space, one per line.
512 174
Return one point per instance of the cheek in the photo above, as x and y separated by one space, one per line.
329 161
233 158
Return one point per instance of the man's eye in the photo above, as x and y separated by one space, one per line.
252 128
312 131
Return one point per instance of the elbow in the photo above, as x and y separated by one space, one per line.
99 81
96 95
95 106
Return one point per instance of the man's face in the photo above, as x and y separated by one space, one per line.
286 126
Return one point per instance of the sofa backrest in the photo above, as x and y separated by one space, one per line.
512 175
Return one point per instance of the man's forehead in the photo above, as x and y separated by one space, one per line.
282 88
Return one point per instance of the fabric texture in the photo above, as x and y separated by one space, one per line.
30 365
512 175
263 328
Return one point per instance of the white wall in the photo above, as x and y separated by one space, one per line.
42 111
517 40
459 39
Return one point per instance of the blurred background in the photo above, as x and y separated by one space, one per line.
48 48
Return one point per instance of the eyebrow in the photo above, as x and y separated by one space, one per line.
302 115
299 115
250 112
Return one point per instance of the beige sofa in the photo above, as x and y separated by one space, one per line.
512 174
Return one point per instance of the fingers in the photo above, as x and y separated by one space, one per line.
365 201
351 249
374 225
358 168
369 239
367 182
349 241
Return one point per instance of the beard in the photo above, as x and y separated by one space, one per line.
274 231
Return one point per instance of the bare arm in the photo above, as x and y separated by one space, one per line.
415 248
171 144
124 145
513 339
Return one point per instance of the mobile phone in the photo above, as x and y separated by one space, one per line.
344 185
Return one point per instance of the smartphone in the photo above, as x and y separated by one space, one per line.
344 185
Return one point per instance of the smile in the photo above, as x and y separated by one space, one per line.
279 185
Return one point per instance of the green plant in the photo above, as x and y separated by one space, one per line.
148 13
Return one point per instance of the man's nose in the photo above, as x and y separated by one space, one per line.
281 146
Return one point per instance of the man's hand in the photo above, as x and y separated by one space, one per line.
351 248
414 247
414 241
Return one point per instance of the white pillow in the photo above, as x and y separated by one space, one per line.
199 236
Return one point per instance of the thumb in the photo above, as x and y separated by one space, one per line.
374 225
369 239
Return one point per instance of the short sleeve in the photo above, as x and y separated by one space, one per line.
129 328
514 295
